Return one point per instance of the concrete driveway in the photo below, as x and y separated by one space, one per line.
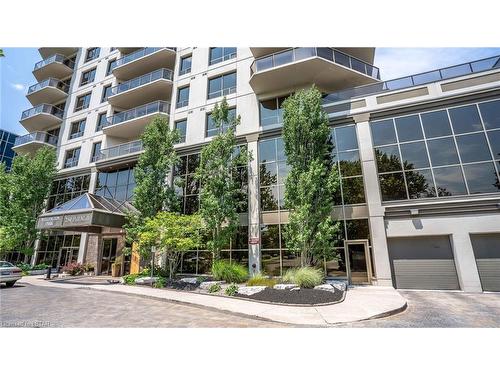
442 309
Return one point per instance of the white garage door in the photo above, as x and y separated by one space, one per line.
423 263
487 252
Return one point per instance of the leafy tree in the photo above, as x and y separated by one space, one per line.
173 234
220 193
153 192
23 192
312 182
1 53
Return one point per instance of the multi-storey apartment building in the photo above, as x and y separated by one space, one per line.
7 140
419 157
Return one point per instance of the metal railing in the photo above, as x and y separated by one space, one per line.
223 92
52 82
217 60
36 137
55 58
301 53
43 108
436 75
120 150
142 80
140 53
143 110
71 162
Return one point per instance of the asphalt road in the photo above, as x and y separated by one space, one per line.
27 306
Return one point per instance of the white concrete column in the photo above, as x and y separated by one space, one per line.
465 262
380 251
253 206
82 251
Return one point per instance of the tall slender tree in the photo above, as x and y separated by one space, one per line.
153 192
220 191
23 192
312 182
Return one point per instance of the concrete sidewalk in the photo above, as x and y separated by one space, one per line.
361 303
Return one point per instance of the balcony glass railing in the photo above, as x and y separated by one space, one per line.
50 82
143 110
140 53
120 150
301 53
415 80
36 137
55 58
142 80
43 108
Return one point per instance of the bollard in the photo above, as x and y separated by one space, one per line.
49 270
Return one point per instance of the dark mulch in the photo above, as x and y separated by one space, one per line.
296 297
180 285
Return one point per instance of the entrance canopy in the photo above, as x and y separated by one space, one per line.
86 213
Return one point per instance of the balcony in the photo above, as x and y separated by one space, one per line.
130 124
264 51
152 86
127 50
490 63
46 52
329 69
55 66
49 91
143 61
122 153
41 117
28 144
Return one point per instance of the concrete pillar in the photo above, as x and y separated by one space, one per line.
380 251
465 262
84 240
253 206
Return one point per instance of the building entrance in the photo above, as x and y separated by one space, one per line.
358 262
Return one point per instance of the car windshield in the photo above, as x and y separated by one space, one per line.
5 264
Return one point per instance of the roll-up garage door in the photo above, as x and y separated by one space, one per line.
487 252
423 263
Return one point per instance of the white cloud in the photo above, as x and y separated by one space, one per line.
18 86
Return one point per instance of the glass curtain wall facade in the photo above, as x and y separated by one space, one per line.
452 151
6 143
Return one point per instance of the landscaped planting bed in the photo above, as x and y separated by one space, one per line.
296 297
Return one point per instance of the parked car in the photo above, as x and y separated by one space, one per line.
9 273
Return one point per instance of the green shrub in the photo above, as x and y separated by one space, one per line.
229 272
25 267
130 279
262 280
160 283
41 266
231 290
305 277
214 288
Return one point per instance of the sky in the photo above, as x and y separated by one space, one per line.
17 65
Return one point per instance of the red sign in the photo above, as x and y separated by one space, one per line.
253 241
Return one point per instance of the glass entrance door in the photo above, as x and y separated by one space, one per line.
359 262
108 255
68 255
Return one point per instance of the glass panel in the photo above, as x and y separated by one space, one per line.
465 119
335 263
353 190
193 163
414 155
229 80
436 124
271 262
490 113
388 159
268 174
269 198
283 170
420 184
346 138
290 259
304 53
192 204
214 85
494 138
442 151
358 263
392 186
350 165
267 150
423 78
357 229
270 236
473 147
204 262
408 128
456 71
449 181
240 257
481 178
283 58
189 262
269 113
383 132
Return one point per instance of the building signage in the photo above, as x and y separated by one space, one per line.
77 219
253 240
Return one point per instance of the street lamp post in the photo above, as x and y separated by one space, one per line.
153 251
